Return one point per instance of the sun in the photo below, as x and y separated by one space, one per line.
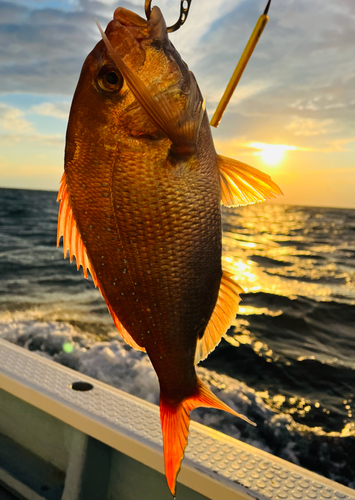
271 154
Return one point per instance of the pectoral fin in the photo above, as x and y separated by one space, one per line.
242 184
164 108
67 228
222 317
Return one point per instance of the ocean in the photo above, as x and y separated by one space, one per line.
288 362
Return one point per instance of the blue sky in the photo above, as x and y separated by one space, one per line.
297 91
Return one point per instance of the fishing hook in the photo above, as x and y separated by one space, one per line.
184 12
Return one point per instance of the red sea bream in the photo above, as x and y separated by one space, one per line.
141 209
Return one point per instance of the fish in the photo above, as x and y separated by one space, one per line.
140 209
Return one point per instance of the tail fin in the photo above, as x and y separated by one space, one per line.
175 421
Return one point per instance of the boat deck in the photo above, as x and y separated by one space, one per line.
61 443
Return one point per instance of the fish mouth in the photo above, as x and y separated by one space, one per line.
144 31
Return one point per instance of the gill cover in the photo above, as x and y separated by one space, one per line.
180 125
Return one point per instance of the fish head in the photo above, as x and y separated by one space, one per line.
104 106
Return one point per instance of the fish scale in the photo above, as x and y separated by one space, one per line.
169 262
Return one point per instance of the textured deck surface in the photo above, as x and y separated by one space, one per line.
235 464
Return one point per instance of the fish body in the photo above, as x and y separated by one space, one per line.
140 208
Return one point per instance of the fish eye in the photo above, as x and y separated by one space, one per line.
110 79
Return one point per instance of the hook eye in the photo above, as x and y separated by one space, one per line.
184 12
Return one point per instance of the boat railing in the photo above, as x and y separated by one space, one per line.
66 436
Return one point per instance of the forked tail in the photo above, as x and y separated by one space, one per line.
175 421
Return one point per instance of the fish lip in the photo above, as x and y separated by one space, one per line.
158 26
129 18
143 31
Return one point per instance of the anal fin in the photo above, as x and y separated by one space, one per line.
222 317
125 335
242 184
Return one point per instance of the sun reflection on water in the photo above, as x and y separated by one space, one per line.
273 251
297 269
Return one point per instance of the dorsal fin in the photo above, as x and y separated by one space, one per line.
242 184
73 243
222 317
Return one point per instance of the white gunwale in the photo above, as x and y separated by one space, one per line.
131 426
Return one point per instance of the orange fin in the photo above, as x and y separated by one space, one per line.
125 335
163 108
175 419
223 315
242 184
67 228
73 243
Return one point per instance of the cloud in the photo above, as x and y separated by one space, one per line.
233 148
58 110
43 139
15 128
305 61
262 147
341 144
42 49
310 126
297 88
13 119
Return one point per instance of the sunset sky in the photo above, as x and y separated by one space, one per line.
292 115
